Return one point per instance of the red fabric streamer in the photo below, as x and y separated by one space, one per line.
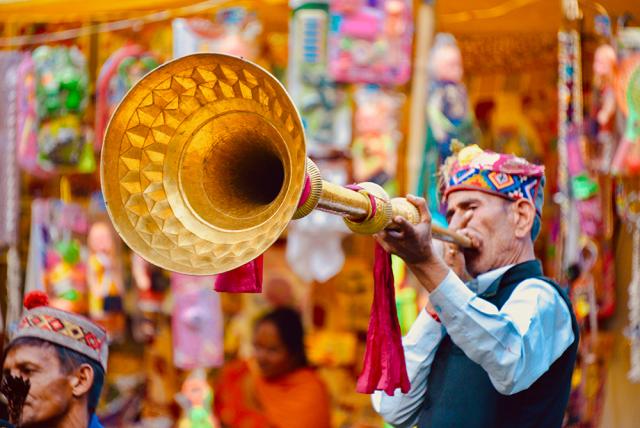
243 279
384 365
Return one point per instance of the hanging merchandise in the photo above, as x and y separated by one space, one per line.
314 243
233 31
196 322
104 278
27 126
151 284
448 114
603 109
376 136
9 182
123 68
569 137
628 205
57 254
61 87
196 400
323 106
370 41
627 157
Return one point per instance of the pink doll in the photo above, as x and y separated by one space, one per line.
104 280
603 108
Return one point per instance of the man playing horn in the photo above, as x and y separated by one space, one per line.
498 350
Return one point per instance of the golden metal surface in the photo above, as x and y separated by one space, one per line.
203 165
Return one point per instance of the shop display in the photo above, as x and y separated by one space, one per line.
370 42
347 66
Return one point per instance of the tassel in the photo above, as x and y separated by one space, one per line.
384 365
243 279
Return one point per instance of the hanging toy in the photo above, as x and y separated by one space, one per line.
123 68
61 90
196 323
323 105
448 114
104 280
376 136
196 398
370 42
627 157
603 109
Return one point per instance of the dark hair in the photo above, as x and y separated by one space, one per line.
289 325
69 361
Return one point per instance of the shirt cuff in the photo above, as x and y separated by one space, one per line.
450 297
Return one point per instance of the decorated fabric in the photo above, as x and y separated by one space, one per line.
243 279
504 175
371 41
197 324
123 68
62 328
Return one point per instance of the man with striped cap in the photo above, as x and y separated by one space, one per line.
63 356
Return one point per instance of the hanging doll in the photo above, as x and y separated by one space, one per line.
448 114
196 398
151 284
196 322
376 136
105 280
603 108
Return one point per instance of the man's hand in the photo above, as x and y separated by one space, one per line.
454 258
413 244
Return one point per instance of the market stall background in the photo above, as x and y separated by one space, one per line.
509 51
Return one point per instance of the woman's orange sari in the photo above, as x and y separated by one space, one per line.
244 399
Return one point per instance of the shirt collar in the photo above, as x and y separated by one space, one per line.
481 283
94 422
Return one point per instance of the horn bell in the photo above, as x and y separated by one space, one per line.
203 164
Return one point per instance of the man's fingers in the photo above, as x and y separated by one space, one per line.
421 205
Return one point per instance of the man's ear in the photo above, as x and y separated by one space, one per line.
82 380
525 214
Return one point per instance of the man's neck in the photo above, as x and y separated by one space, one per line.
77 417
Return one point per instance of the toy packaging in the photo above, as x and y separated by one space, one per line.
370 41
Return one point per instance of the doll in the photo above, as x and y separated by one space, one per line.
603 108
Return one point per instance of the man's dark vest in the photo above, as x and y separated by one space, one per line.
460 394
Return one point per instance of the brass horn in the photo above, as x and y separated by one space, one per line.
203 166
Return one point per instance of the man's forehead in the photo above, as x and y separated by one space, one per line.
31 353
465 196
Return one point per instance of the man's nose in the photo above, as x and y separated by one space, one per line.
460 220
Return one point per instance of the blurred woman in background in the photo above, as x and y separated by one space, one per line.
278 388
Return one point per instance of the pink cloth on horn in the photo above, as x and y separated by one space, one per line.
384 365
243 279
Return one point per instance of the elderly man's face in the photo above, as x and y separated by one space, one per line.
50 392
486 220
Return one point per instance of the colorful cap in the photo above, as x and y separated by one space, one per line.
62 328
504 175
